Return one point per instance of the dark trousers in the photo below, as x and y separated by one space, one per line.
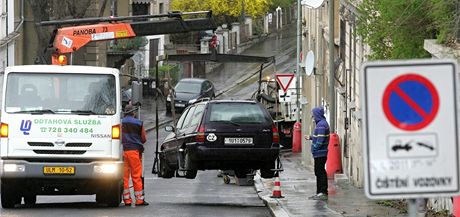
321 176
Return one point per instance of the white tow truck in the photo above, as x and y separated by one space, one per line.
281 105
60 133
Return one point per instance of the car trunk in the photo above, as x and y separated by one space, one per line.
229 135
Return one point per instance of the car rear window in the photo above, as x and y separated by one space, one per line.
237 113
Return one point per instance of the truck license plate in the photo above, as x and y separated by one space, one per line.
232 141
59 170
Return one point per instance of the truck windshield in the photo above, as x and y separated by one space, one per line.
83 94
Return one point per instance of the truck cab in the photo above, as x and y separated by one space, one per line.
60 133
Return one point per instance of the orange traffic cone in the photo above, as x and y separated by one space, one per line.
277 188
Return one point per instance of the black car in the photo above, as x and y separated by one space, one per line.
188 91
234 135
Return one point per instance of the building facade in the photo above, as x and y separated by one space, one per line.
350 54
8 33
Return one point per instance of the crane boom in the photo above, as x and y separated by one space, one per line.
71 38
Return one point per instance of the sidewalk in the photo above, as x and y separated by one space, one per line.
298 183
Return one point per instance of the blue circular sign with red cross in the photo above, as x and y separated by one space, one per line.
410 102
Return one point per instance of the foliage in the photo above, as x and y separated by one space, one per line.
129 43
445 17
281 3
232 8
162 72
395 29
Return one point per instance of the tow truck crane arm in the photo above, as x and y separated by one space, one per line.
71 38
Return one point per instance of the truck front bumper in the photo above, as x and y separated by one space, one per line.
18 169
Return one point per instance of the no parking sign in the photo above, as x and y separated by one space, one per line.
410 129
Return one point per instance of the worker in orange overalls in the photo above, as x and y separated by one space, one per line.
133 138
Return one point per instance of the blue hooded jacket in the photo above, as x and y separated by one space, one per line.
320 138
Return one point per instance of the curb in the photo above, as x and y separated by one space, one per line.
150 128
276 210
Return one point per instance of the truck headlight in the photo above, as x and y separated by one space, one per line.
106 168
192 101
13 168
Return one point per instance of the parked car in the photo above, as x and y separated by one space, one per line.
189 90
237 135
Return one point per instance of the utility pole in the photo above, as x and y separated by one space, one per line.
297 70
331 68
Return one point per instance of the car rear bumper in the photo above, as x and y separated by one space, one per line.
255 156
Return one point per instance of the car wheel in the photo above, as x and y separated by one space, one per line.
165 171
190 174
266 171
111 195
9 195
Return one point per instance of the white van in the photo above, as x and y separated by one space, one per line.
60 133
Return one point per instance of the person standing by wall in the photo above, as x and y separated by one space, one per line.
319 144
133 136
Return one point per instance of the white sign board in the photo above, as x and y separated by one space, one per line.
284 80
410 129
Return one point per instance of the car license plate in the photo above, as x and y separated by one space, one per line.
243 141
59 170
180 105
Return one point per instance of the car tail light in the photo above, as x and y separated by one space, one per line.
4 130
200 134
116 132
276 135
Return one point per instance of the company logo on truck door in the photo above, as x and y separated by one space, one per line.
26 125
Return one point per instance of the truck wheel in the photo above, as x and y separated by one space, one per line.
9 195
30 199
111 196
165 171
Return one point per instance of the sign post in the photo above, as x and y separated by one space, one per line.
410 129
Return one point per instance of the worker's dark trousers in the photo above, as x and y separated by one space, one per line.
321 176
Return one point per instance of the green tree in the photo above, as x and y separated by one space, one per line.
233 8
281 3
395 29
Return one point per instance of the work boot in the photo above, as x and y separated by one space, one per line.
320 196
144 203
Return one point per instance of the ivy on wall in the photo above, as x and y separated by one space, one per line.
397 29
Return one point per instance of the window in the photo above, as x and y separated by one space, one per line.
206 85
187 87
61 93
161 8
237 112
188 118
196 117
141 9
180 122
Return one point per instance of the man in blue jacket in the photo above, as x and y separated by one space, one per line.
319 144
